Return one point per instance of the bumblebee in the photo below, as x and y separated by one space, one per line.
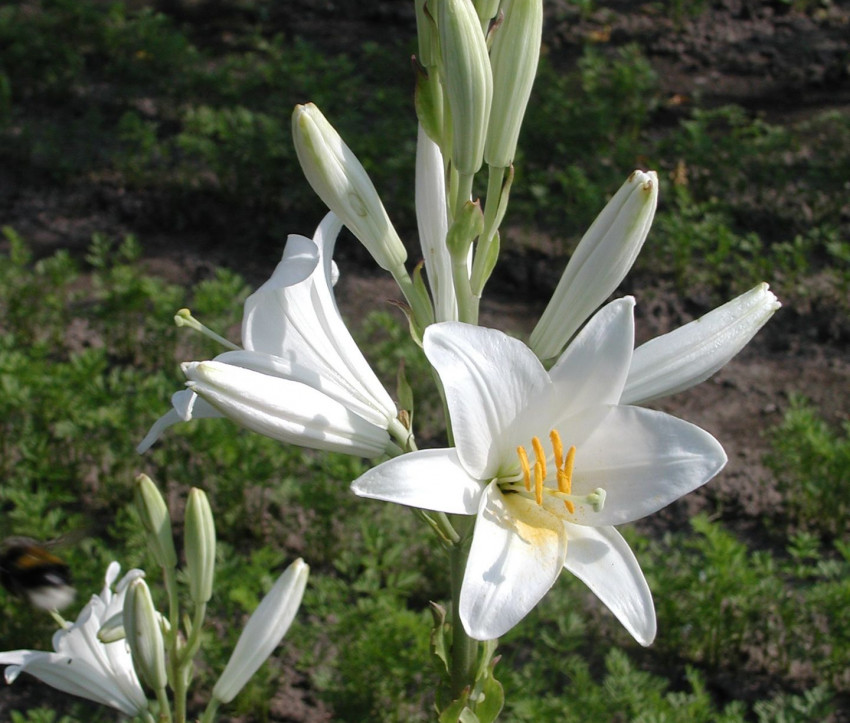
29 570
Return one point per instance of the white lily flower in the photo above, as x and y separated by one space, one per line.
690 354
82 665
600 262
301 377
263 631
548 462
432 220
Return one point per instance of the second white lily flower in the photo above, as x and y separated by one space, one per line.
301 377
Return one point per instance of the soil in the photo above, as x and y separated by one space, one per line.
766 56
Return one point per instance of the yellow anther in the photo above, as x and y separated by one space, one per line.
539 454
568 468
526 468
539 475
557 448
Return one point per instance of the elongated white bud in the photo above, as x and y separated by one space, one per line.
692 353
600 262
340 180
263 631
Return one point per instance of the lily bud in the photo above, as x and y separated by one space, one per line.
340 180
516 50
199 541
692 353
468 81
156 521
264 630
600 262
144 635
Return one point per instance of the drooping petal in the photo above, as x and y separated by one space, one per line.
516 555
593 368
431 479
186 405
70 675
285 410
603 560
488 378
285 368
432 221
692 353
297 319
644 460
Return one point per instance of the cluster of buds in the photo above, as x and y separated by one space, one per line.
162 655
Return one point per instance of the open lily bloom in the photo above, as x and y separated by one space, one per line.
82 665
549 462
301 377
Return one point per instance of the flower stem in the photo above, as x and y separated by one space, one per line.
464 649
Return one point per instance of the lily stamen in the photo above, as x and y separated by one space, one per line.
563 476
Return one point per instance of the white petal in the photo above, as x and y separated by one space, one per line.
489 379
644 460
693 352
432 221
517 553
431 479
593 368
285 410
603 561
300 322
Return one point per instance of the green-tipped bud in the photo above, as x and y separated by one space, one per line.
486 10
468 81
426 33
264 630
156 521
199 543
339 179
600 262
144 635
516 50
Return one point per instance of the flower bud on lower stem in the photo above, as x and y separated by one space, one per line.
144 635
156 521
199 540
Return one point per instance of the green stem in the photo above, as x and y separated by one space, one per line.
464 649
210 711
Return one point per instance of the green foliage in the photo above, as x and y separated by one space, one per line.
811 461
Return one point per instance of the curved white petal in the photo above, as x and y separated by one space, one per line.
186 405
285 410
431 479
603 560
517 553
432 221
288 368
644 460
593 368
488 378
298 319
692 353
